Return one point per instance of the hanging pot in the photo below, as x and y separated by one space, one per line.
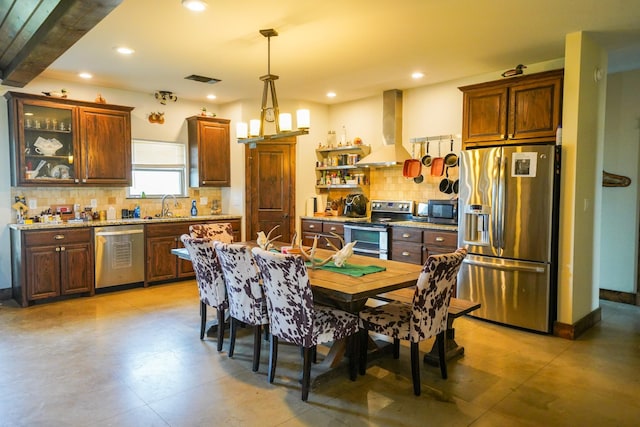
426 159
418 179
451 159
456 186
412 167
446 185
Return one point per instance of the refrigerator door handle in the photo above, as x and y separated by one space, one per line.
506 267
495 176
501 200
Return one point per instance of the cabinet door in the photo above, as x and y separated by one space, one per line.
42 272
42 139
161 263
209 149
77 269
105 141
484 115
534 110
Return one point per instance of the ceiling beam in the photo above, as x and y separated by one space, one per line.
67 23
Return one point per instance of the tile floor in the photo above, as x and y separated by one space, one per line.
133 358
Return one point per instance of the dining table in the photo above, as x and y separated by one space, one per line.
348 291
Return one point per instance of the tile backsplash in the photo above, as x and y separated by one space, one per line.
105 197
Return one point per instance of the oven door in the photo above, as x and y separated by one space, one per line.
372 240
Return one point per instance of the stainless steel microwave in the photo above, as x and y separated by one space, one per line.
442 211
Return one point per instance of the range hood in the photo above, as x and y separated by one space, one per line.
392 152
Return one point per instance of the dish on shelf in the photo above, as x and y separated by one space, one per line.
47 147
60 172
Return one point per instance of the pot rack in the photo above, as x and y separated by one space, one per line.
439 138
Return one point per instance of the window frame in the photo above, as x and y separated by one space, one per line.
183 169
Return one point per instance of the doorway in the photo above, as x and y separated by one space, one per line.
270 188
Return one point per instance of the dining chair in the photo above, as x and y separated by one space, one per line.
210 281
245 296
218 231
424 318
293 316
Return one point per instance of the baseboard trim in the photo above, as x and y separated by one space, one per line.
571 332
617 296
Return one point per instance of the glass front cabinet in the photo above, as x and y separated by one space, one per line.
62 142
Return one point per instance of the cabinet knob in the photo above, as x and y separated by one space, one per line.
84 180
57 249
510 136
58 236
333 229
502 136
406 235
405 253
204 182
62 249
439 239
312 226
76 180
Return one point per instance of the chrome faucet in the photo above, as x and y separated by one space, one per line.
165 210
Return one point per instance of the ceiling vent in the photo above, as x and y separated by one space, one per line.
202 79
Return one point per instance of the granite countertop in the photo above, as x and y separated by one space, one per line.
129 221
417 224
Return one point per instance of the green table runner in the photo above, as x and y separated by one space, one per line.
350 269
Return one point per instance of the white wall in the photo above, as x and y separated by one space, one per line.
619 225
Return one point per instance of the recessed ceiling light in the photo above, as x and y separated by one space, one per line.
195 5
124 50
417 75
85 75
211 96
331 94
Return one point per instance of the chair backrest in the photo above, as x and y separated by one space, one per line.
219 231
207 268
289 298
244 293
433 293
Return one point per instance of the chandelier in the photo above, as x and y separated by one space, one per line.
269 112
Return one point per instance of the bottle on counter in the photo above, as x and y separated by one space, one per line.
136 211
194 209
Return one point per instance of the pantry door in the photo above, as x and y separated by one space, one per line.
270 190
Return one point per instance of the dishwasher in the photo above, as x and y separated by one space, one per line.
119 252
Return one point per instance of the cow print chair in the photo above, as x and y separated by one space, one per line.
210 281
426 317
220 231
293 316
245 295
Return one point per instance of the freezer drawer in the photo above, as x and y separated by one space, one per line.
515 293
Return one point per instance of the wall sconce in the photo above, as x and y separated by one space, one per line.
165 95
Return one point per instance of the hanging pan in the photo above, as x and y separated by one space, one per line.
412 167
437 164
426 159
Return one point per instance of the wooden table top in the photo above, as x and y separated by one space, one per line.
352 292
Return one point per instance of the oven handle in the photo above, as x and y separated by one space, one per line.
365 251
355 227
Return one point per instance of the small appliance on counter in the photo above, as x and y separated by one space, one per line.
438 212
355 205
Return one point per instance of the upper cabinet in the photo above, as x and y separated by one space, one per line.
209 152
60 142
525 109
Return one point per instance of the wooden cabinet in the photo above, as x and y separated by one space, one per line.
209 152
439 242
336 167
161 264
52 263
525 109
322 229
68 142
406 245
414 244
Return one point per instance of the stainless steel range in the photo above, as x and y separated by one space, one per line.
372 236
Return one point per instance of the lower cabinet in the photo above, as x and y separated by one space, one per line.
324 230
161 264
52 263
414 245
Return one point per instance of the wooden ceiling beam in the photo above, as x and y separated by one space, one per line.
65 25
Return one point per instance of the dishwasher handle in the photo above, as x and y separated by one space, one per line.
118 233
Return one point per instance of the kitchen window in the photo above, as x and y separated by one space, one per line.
158 168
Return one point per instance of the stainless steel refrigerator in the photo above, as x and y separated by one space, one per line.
508 220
